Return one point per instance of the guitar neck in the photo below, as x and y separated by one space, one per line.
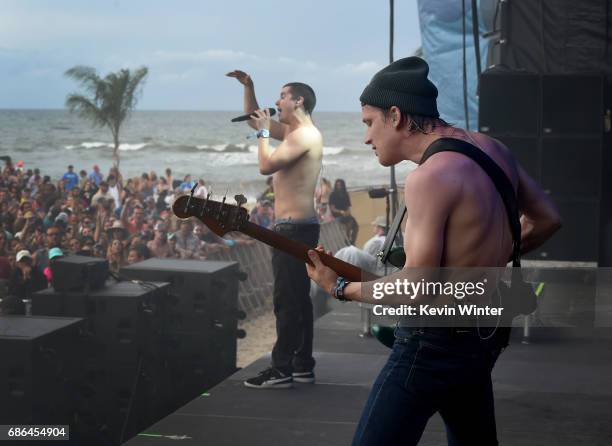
300 251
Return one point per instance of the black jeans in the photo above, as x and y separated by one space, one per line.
292 304
425 374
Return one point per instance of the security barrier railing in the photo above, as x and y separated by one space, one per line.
255 293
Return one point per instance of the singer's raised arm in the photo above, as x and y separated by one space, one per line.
294 147
277 130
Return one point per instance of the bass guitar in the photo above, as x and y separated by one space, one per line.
222 218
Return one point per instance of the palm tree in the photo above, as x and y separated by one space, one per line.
109 101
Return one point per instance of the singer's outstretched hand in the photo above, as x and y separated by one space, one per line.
242 77
261 119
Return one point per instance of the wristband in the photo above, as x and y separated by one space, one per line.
338 289
263 133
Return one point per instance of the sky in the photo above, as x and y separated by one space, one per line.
188 45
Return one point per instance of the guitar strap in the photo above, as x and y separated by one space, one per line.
385 251
497 175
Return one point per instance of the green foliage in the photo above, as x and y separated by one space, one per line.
107 101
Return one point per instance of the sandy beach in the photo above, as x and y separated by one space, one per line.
261 334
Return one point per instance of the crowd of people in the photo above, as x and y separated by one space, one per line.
123 220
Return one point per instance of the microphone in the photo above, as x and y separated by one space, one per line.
248 116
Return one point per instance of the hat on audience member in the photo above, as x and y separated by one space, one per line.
118 227
55 252
61 217
380 221
21 254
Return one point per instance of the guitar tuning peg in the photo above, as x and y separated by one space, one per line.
190 197
240 199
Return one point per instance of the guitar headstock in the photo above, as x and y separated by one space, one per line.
219 216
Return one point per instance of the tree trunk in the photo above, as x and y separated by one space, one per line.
116 152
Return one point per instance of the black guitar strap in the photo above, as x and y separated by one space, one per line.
385 251
497 175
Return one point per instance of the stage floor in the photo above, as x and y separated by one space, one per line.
548 392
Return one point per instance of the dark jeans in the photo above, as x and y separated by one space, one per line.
428 372
292 304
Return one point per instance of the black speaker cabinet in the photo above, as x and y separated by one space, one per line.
553 124
38 369
555 36
123 319
509 103
526 150
200 322
576 240
74 273
571 166
202 292
572 105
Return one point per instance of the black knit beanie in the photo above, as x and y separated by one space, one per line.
404 84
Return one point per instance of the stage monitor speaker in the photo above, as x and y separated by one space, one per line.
73 273
39 364
509 103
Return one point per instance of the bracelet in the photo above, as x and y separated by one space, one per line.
338 290
263 133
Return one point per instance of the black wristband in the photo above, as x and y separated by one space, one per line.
338 290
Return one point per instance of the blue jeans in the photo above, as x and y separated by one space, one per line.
428 372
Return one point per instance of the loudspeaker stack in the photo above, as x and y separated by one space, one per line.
145 345
553 124
199 320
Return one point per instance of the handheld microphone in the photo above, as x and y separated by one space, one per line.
249 116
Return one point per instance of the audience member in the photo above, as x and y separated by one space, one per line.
70 179
340 207
187 244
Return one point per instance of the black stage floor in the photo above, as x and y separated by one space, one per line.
546 393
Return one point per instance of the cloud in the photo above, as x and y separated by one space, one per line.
202 56
367 67
303 64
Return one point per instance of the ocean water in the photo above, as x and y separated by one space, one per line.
204 144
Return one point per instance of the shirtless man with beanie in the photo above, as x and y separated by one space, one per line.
456 218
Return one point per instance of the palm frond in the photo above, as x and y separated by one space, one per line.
86 76
87 109
134 87
111 99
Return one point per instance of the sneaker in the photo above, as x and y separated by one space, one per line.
304 377
270 378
